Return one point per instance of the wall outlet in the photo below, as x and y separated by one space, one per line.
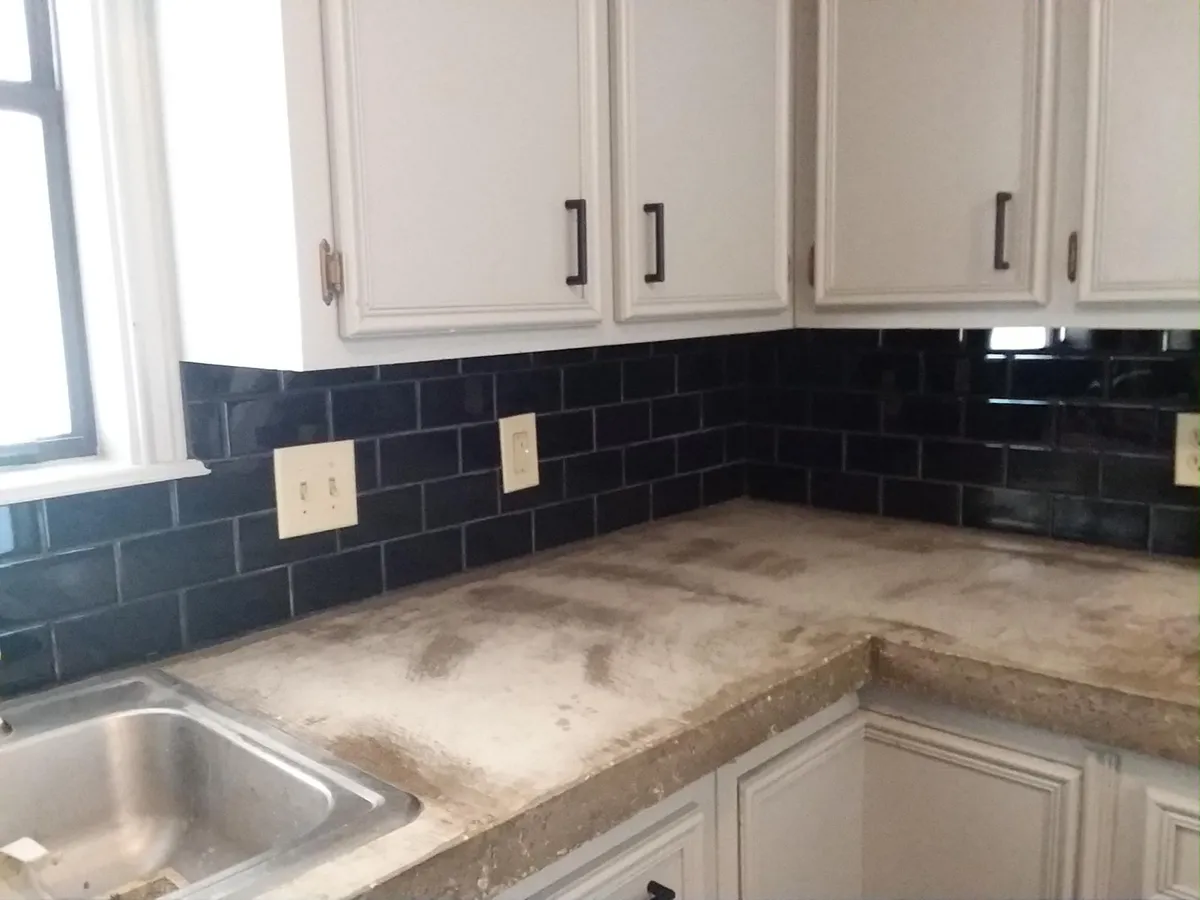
518 452
315 488
1187 449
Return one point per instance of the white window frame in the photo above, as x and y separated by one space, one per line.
114 137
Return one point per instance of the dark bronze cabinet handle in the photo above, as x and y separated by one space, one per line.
1073 257
660 253
998 254
659 891
581 249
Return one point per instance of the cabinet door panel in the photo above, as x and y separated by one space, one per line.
459 131
927 110
702 98
948 816
1141 226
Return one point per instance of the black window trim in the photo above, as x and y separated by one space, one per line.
42 97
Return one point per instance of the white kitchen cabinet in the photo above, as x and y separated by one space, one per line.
946 815
1139 233
790 813
933 162
702 137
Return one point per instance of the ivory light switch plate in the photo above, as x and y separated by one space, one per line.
315 488
518 452
1187 449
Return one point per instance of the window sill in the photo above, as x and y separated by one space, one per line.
24 483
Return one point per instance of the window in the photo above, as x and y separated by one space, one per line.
45 396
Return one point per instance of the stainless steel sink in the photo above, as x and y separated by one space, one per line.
141 787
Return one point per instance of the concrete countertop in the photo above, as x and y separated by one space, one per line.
534 706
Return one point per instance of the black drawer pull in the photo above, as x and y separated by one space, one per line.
1002 200
660 254
659 891
581 243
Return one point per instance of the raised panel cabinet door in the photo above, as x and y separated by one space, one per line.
1140 239
948 816
701 101
933 151
1171 849
464 136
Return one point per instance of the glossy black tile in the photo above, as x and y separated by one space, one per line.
623 508
922 415
1172 531
1145 479
433 554
570 357
652 377
419 456
506 363
674 415
735 443
702 370
1005 510
1131 429
205 426
925 501
28 660
981 464
847 493
374 409
760 443
20 533
107 515
366 465
261 547
326 378
593 473
262 424
941 339
883 371
1053 471
1047 377
1115 341
39 590
562 434
530 391
846 412
480 447
495 540
564 523
650 461
624 351
461 499
672 496
1011 422
176 559
592 385
549 489
881 455
118 636
1164 382
701 450
231 488
722 484
762 366
820 367
436 368
626 423
204 382
1101 522
846 338
234 606
456 401
778 406
383 515
985 376
723 407
783 485
333 580
803 447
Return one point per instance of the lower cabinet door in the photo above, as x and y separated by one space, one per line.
948 816
666 862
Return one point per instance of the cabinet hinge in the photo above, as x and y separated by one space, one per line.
332 282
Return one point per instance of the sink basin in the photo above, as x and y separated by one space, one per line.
141 787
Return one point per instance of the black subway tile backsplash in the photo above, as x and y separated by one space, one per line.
1073 440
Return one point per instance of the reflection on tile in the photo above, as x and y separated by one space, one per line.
1006 510
39 590
20 534
107 515
1101 522
259 425
119 636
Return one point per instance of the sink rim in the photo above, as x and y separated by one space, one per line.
346 825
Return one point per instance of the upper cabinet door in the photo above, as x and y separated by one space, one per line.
702 98
464 136
1140 238
933 151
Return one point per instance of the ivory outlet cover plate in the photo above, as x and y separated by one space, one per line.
518 452
315 488
1187 449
